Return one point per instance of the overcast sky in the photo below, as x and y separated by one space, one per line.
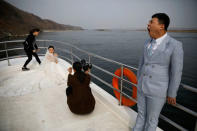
116 14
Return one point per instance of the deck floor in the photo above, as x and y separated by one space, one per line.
47 110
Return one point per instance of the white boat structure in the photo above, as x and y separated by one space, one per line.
46 109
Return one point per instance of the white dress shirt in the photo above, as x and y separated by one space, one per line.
158 42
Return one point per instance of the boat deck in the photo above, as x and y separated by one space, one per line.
47 110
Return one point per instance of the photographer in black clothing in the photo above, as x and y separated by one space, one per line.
31 48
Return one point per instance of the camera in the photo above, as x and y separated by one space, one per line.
85 65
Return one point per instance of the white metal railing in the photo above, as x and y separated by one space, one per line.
90 55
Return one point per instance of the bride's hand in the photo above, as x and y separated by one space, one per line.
55 54
70 70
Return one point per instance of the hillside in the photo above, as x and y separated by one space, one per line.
14 21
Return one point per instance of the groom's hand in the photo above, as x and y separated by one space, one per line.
171 100
70 70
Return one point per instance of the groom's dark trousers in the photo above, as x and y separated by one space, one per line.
29 55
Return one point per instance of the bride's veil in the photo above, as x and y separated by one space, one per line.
48 58
45 57
51 67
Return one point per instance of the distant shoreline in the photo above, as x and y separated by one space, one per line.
170 30
61 30
186 31
181 31
101 30
9 35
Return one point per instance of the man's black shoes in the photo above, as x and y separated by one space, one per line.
25 69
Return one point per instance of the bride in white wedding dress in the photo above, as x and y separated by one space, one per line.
48 74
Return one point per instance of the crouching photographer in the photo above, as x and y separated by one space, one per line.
79 96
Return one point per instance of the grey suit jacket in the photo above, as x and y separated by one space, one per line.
160 74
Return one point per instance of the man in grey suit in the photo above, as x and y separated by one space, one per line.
159 73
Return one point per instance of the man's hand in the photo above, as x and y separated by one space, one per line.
171 100
70 70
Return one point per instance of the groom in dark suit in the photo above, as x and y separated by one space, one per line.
31 48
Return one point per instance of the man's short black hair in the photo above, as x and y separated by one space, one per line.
163 19
34 30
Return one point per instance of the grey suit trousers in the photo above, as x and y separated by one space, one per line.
149 108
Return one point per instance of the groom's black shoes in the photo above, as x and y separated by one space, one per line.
25 69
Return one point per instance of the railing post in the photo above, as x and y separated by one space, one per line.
121 85
45 44
196 126
7 55
71 54
89 60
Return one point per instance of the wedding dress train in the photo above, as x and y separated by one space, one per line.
48 74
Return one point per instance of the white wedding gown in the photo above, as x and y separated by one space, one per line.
49 74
